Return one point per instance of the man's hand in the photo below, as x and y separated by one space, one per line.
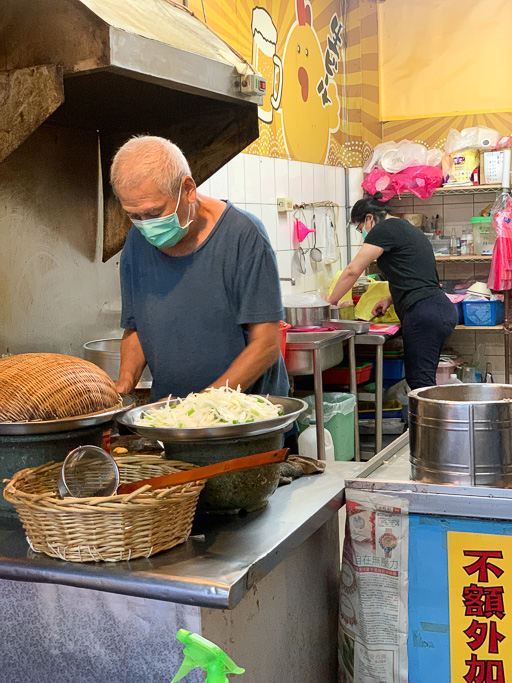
382 306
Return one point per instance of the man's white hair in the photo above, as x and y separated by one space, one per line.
147 157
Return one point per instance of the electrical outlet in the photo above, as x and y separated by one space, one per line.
284 204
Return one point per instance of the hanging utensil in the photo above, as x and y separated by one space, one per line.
331 252
89 471
299 261
315 255
237 465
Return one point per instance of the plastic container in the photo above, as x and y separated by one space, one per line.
453 379
338 420
445 369
484 236
389 409
341 374
483 313
283 329
308 445
392 369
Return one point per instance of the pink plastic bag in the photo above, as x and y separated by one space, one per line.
419 180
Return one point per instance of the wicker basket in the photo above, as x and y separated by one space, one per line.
111 529
51 386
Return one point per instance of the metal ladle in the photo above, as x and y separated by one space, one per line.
315 254
88 471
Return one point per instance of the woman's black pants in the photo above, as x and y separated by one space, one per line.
426 326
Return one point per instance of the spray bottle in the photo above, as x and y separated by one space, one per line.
204 654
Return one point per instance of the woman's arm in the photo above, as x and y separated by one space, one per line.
366 255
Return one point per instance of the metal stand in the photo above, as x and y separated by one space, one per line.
353 390
319 403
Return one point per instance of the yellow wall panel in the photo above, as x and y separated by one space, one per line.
444 57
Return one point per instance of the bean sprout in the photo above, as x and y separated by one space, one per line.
211 408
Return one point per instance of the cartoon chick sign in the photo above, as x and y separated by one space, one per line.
300 52
308 116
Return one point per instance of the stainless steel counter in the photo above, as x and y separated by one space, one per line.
214 570
309 353
389 473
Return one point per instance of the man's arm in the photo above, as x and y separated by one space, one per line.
261 353
133 362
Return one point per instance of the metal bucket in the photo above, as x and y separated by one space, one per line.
106 354
306 316
462 434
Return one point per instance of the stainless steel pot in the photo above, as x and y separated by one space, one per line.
306 316
462 434
106 353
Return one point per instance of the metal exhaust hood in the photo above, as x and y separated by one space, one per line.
123 67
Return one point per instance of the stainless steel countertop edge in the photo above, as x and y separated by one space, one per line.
215 571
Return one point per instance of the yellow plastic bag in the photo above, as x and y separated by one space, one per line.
348 310
376 292
345 297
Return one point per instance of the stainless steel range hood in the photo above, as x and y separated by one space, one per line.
123 67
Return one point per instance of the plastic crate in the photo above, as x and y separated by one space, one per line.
460 312
483 313
393 370
341 374
366 409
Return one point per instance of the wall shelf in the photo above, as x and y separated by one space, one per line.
467 189
465 259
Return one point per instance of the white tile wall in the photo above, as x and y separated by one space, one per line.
253 183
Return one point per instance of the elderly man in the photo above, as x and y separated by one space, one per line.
201 300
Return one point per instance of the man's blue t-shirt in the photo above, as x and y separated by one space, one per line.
190 312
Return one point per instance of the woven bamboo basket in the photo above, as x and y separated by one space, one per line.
52 386
108 529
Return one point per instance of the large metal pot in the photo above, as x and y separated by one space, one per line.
106 353
462 434
306 316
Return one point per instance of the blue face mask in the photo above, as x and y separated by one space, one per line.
165 231
364 233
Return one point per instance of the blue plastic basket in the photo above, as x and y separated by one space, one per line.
483 313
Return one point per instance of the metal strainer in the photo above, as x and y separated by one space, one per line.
88 471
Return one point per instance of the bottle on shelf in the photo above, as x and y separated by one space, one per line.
470 245
454 380
463 244
488 374
459 246
453 243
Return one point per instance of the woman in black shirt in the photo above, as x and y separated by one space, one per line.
406 258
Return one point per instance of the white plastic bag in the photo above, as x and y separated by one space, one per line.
378 151
404 155
478 137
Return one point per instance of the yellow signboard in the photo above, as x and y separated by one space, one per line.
299 47
480 588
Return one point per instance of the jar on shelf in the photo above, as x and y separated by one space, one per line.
484 235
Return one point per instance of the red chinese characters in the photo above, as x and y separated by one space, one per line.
482 603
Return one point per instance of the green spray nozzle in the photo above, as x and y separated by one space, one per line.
202 653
